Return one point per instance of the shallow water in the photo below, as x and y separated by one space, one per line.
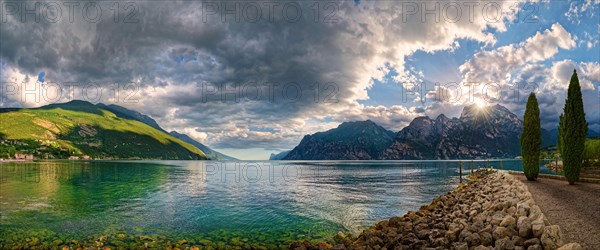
269 202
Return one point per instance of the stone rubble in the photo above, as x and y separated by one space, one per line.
492 211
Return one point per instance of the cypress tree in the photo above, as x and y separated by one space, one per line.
560 131
531 139
573 131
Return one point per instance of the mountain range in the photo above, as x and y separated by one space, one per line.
489 132
80 128
362 140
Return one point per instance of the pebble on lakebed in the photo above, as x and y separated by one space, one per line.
492 211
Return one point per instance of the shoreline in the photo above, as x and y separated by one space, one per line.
15 160
494 210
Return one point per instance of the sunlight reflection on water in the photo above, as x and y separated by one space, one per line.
199 197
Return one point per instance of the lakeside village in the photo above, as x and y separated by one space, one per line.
26 150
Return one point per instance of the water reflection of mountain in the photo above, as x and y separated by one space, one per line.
69 195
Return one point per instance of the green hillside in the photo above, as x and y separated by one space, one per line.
79 128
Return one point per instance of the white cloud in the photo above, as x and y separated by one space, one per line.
366 43
195 133
578 8
492 65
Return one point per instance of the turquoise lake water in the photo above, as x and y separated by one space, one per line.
270 202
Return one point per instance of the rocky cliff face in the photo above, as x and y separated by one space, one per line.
479 132
363 140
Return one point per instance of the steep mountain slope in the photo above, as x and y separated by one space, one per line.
134 115
279 156
210 153
351 140
81 128
479 132
130 114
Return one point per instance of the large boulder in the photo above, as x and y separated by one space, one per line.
504 243
508 222
522 209
473 239
535 247
486 238
537 228
422 230
460 246
502 232
535 212
552 238
531 242
524 227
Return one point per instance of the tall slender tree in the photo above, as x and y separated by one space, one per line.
561 126
573 131
531 139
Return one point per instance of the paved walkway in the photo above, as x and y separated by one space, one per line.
575 208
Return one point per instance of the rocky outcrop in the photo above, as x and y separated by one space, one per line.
493 211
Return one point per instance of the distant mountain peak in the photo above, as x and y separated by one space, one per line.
476 111
442 117
421 121
75 105
357 140
78 102
358 123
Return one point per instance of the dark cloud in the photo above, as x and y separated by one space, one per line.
175 58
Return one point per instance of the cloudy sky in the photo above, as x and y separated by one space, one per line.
251 78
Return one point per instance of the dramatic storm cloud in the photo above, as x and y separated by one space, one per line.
257 76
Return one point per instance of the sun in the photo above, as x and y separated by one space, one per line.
480 103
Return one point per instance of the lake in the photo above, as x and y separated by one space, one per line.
269 203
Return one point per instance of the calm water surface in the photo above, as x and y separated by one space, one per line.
274 202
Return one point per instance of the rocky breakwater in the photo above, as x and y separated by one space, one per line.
493 211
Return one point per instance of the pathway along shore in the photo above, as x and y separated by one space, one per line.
493 211
575 208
